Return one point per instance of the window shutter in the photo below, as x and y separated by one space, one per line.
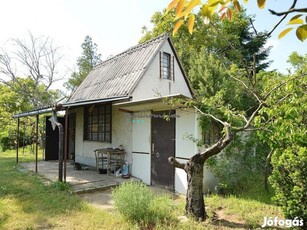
160 64
173 68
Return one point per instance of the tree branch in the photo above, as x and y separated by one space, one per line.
176 163
282 84
248 88
250 120
282 19
210 115
284 14
291 10
220 145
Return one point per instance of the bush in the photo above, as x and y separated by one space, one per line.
289 179
7 143
160 209
137 203
240 167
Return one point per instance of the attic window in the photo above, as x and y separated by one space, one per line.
166 66
97 123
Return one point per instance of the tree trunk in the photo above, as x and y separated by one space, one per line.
195 205
266 170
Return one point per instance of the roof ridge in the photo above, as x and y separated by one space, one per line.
133 48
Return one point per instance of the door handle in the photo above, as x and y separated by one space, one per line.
153 147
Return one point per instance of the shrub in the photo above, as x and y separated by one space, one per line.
289 179
161 208
133 199
7 143
240 167
137 203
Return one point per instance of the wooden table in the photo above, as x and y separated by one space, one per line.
109 159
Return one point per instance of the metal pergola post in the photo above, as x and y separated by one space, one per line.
17 137
36 142
65 143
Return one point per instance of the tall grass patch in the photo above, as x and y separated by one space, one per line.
138 204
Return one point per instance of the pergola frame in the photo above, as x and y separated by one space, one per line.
63 137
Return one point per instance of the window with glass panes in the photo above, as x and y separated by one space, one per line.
166 66
97 123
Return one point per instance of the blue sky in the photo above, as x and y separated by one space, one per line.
115 25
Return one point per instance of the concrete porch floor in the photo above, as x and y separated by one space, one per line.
82 181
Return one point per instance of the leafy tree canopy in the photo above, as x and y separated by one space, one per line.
233 41
184 11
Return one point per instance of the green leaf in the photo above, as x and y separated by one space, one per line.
206 13
296 21
301 32
179 7
212 3
172 5
284 32
237 5
261 4
177 26
192 4
295 17
191 22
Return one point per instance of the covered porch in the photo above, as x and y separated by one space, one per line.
85 180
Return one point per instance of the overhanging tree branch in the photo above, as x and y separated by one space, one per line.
176 163
292 10
284 14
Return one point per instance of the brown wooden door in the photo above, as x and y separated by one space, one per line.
52 140
163 147
71 136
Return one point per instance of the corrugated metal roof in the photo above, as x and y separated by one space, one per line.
118 75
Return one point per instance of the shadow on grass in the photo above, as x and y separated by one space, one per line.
230 224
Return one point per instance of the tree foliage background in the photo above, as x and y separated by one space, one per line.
221 51
28 70
85 63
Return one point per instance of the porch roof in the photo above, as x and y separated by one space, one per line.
155 104
60 107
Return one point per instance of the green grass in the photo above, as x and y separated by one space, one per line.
27 203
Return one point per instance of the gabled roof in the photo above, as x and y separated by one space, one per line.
115 79
118 76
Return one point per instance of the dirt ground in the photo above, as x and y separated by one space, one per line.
100 199
104 200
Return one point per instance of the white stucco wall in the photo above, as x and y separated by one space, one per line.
121 135
141 146
187 124
151 83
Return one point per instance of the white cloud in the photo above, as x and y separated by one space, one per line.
274 43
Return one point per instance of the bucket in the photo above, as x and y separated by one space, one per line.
125 170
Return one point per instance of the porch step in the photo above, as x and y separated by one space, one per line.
99 185
92 187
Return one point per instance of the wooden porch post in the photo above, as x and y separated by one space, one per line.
36 142
65 143
17 137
